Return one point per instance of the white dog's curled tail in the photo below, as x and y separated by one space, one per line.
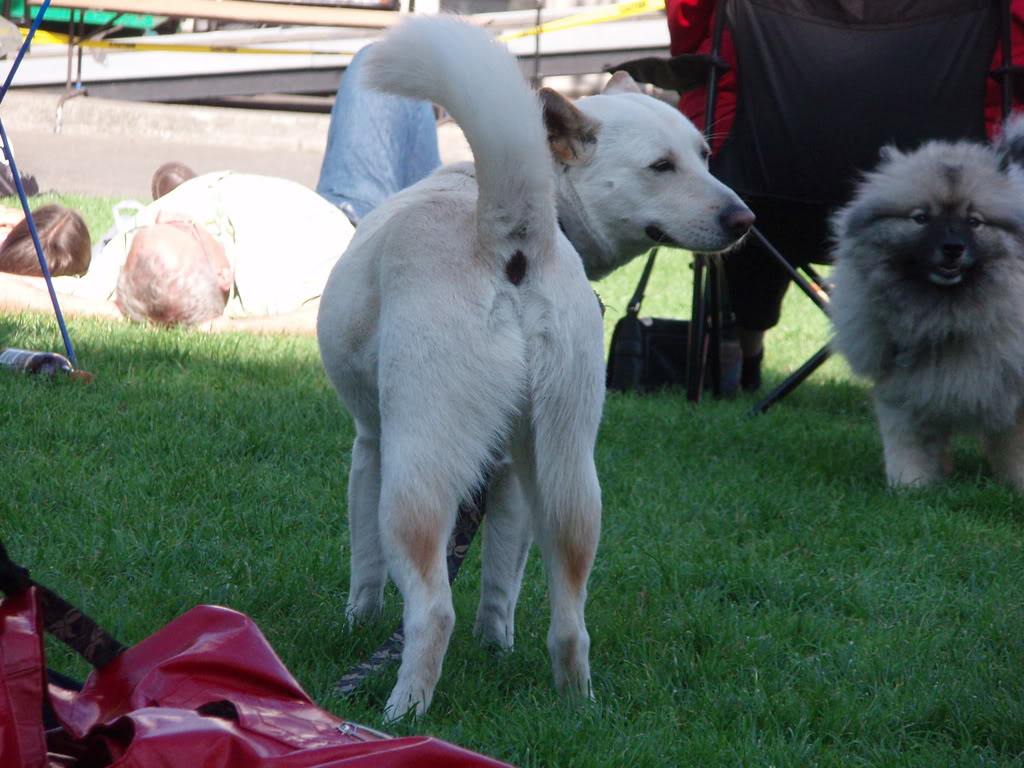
461 67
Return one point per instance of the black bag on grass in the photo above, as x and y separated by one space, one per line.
650 353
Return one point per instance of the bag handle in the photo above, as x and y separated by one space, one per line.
633 308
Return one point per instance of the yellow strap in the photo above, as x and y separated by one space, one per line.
596 16
53 38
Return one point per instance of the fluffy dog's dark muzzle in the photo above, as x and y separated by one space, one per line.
952 260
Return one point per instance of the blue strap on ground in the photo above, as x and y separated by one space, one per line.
21 190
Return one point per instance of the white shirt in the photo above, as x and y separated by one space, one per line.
281 238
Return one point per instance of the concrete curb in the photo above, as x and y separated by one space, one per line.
256 129
111 148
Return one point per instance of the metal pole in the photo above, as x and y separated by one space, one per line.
696 354
35 241
1007 45
792 381
814 291
536 79
714 353
16 176
24 46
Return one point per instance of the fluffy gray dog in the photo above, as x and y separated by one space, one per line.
929 302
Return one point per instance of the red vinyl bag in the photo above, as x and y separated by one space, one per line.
205 691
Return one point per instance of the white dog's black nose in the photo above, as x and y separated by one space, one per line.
736 220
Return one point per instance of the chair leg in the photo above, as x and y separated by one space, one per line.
793 381
814 290
696 357
714 355
705 344
706 331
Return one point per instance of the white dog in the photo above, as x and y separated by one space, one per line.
461 332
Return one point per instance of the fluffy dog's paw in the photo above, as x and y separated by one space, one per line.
906 481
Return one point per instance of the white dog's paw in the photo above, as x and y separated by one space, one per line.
365 601
571 663
493 628
363 605
574 685
406 699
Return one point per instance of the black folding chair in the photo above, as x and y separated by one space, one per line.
822 86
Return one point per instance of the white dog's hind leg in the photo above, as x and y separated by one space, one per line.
415 526
507 537
368 567
565 498
567 534
914 456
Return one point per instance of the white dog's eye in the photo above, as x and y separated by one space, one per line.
662 166
974 221
920 217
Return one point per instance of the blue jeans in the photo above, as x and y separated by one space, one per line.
377 144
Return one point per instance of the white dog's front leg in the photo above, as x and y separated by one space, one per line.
368 567
507 537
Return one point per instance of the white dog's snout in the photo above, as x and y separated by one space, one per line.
736 220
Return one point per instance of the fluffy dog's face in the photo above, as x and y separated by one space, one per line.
945 251
942 219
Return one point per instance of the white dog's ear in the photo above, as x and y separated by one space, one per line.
621 82
571 134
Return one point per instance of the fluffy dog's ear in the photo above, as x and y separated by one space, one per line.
853 219
888 154
1010 144
621 82
571 134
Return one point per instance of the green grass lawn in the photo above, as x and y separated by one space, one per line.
760 598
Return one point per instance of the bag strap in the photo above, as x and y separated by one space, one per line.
633 308
61 619
13 578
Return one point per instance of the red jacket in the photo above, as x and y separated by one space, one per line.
690 23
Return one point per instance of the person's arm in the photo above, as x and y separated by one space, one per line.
299 321
29 294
